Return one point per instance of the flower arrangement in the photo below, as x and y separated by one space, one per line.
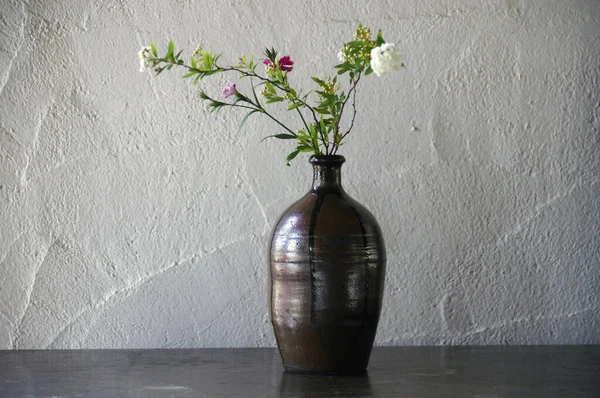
320 118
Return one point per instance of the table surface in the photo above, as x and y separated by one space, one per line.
517 371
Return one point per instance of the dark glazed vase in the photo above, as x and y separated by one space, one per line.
327 268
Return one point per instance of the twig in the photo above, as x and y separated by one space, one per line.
352 91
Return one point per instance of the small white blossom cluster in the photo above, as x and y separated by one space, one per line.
145 56
197 54
385 59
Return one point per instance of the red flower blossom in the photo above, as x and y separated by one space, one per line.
286 64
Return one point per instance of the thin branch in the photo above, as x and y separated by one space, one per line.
337 124
256 107
239 106
254 93
284 89
323 140
303 121
274 83
260 108
351 123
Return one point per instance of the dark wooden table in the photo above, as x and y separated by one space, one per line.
535 371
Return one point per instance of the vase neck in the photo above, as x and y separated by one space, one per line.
327 172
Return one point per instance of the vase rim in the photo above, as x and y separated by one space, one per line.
330 160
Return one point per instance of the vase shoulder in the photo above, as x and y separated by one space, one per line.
332 213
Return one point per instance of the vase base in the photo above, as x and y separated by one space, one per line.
328 372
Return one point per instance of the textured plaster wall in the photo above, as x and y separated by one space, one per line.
132 217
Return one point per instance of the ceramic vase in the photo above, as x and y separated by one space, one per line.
326 277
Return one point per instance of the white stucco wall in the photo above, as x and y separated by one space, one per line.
132 217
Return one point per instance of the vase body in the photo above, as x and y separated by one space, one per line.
326 277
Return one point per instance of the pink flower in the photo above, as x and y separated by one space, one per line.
269 66
228 91
286 64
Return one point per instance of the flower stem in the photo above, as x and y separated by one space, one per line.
257 106
351 92
351 123
284 89
262 110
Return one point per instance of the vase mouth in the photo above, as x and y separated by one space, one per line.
327 160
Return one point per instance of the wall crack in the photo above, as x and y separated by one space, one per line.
18 49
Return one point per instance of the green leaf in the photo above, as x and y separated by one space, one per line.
294 106
246 118
322 110
322 125
270 88
380 40
274 99
291 156
279 75
254 94
208 72
203 96
189 74
283 136
170 51
216 105
209 60
306 148
153 48
318 81
241 97
271 54
313 130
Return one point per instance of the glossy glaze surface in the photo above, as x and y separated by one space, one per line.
327 269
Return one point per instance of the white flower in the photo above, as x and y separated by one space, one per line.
197 54
145 62
342 56
385 59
